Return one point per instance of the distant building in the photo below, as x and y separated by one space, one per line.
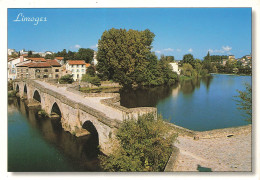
231 57
95 58
11 67
11 51
77 68
175 68
60 60
48 69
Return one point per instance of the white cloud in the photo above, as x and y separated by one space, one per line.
211 50
190 50
226 48
168 49
94 46
178 50
77 46
159 52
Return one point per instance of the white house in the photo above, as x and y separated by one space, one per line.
175 68
77 68
11 51
95 58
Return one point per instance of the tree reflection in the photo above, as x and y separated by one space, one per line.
149 97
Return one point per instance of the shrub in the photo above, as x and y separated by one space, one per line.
10 85
67 79
93 80
11 93
144 144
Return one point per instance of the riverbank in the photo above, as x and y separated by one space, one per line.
226 149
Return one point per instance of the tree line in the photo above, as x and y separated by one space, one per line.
85 54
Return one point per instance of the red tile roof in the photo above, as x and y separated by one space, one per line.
87 65
37 59
39 65
53 63
24 55
24 64
76 62
59 58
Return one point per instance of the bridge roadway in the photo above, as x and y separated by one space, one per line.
93 102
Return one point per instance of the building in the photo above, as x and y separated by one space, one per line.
60 60
77 68
11 66
231 57
175 68
95 58
48 69
11 51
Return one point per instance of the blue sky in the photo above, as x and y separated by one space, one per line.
178 31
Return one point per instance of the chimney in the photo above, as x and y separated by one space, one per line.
21 59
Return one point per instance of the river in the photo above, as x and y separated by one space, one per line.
198 104
41 145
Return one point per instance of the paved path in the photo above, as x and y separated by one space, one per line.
218 154
93 102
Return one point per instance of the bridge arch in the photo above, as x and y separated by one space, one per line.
25 90
55 109
17 88
37 96
89 126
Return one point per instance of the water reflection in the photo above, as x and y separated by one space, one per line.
149 97
81 153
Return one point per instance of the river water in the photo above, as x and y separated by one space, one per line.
38 145
203 104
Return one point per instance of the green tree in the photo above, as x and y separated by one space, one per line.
36 56
187 70
49 56
29 53
245 101
91 70
95 80
188 59
67 79
122 54
170 58
207 63
85 54
144 144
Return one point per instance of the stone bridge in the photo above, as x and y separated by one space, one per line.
79 113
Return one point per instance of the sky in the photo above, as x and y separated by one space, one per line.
178 31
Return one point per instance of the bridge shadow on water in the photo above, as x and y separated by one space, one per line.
80 152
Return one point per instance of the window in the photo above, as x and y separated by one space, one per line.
45 70
82 65
77 66
26 70
72 70
56 70
38 76
82 70
37 70
77 70
57 76
45 76
77 75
